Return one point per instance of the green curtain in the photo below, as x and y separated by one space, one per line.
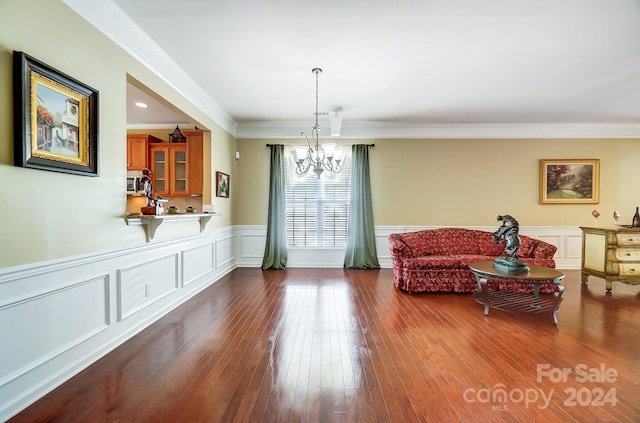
275 250
361 244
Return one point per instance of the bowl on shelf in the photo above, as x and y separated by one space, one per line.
148 210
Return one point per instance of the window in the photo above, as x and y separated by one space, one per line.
317 208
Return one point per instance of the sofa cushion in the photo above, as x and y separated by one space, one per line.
420 243
487 246
467 241
539 262
453 261
451 241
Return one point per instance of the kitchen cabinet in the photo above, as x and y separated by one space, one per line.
169 169
195 158
176 168
138 150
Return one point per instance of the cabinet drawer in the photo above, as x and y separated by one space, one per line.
628 239
629 269
628 254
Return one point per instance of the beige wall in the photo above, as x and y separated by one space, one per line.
251 191
427 182
48 215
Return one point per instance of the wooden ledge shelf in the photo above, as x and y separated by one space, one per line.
152 222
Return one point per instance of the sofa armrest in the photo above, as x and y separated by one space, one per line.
543 250
398 247
399 251
535 248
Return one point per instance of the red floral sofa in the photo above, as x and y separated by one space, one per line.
436 260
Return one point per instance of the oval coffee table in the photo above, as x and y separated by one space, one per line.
518 301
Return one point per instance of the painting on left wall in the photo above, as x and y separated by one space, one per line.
55 119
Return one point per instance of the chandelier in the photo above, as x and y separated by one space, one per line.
316 156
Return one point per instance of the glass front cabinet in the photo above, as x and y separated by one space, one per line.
169 168
176 168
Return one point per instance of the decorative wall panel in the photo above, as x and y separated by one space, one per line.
145 283
36 328
225 251
197 262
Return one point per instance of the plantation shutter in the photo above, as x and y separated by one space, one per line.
317 208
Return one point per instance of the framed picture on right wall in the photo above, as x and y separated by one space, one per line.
570 181
222 185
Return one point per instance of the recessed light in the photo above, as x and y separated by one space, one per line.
142 105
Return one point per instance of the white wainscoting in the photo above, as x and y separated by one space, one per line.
251 240
58 317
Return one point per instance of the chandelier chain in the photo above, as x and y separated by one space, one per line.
317 71
320 158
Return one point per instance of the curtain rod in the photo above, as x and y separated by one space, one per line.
290 145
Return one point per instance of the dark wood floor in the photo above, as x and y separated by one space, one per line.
328 345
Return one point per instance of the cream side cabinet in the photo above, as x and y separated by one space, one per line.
612 254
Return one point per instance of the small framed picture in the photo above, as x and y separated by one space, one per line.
222 184
55 119
570 181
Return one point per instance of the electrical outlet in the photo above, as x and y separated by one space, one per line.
147 290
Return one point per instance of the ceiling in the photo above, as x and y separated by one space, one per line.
404 63
157 112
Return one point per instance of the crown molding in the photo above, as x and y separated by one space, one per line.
382 130
169 127
109 19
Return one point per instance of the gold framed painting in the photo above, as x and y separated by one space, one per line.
570 181
55 119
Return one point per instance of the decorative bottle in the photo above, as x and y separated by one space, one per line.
636 219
